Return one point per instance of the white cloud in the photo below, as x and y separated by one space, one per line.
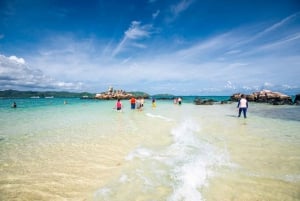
155 15
277 25
229 85
192 67
279 44
267 84
181 6
15 74
177 9
268 36
16 59
232 52
135 32
207 47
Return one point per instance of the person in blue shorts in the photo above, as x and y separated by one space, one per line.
132 102
243 106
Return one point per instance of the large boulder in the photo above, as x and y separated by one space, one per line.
265 96
199 101
297 99
275 98
237 96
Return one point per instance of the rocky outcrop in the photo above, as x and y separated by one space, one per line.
199 101
265 96
105 96
297 99
113 94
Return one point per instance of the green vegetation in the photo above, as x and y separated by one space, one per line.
57 94
163 96
139 94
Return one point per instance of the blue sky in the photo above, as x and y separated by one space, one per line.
182 47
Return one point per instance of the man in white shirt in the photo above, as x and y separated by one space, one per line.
243 105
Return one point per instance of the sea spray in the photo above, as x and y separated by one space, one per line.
193 162
178 171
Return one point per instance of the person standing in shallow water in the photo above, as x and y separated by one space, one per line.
132 103
14 105
119 105
179 100
243 106
153 103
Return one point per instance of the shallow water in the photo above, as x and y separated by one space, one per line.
85 150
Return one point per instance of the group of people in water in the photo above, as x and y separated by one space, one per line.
139 104
134 103
177 100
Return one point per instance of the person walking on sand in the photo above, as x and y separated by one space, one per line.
243 105
119 105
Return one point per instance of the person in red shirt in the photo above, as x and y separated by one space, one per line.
132 102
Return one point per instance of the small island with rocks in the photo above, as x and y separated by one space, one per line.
112 94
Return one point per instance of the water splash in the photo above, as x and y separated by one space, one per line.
182 168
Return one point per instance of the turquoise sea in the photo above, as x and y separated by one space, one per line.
85 150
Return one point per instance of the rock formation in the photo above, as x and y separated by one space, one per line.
297 99
199 101
113 94
265 96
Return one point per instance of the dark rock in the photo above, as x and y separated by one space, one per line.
297 99
225 102
235 97
198 101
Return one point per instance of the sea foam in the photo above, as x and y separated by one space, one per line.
184 166
192 162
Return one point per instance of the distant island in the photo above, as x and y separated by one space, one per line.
164 96
264 96
43 94
65 94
